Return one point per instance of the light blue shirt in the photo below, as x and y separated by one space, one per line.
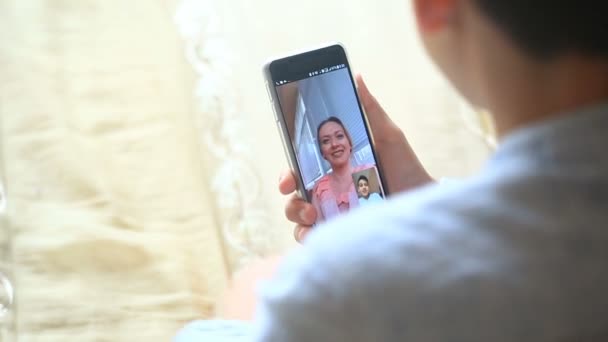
517 253
373 198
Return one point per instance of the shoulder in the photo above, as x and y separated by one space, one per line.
474 225
429 214
493 244
321 185
388 259
412 227
411 236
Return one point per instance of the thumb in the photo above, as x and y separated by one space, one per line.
377 117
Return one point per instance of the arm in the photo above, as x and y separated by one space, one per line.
401 168
422 279
296 307
333 289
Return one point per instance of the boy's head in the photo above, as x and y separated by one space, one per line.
483 45
363 186
546 29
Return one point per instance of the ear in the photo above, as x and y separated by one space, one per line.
434 15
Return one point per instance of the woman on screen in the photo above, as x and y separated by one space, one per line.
335 192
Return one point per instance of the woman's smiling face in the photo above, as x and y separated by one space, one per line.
335 145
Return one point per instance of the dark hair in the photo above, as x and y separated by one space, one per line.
339 122
548 28
362 177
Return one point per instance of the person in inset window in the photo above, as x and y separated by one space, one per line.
335 192
365 197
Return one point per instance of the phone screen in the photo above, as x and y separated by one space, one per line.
329 138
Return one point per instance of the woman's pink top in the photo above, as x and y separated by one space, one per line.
330 204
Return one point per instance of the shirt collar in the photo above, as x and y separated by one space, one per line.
575 138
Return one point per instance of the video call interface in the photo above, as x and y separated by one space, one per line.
332 147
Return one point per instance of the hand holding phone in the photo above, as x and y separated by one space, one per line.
324 130
402 169
302 88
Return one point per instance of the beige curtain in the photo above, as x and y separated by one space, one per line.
117 229
142 157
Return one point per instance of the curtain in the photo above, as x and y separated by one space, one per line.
116 226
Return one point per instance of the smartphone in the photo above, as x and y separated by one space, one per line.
324 130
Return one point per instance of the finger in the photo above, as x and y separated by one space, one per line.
299 211
368 100
300 232
376 115
287 183
382 127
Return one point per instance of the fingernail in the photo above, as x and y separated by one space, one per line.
301 235
303 216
